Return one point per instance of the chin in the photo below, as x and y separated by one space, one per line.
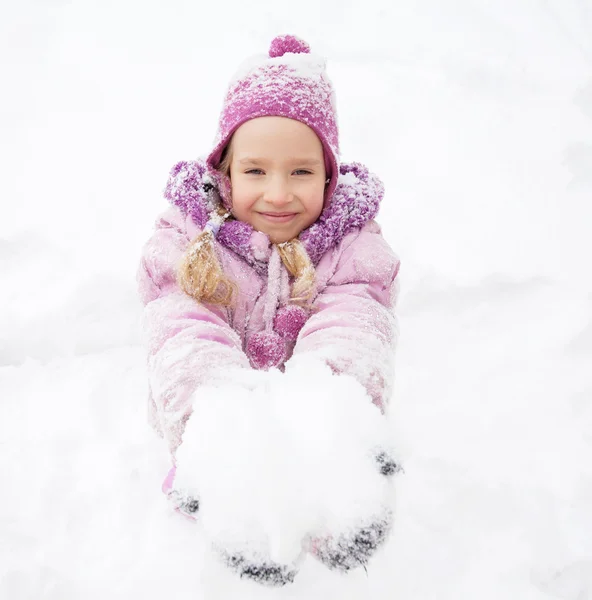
279 238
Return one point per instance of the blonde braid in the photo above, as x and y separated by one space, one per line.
299 265
200 274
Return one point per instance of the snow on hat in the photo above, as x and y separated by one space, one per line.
290 82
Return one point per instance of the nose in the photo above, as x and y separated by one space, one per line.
278 192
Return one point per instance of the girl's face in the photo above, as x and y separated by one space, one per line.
277 172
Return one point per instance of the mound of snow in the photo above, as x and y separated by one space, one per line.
277 457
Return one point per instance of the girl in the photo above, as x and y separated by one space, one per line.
269 255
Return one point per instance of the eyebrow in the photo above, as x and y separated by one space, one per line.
311 162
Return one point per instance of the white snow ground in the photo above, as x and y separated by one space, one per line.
478 116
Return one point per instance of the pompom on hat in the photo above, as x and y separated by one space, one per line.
288 82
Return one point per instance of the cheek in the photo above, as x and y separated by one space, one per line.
242 201
314 207
315 201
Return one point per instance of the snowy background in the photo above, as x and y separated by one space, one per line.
477 115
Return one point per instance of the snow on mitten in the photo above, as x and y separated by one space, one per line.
354 548
387 464
184 503
261 569
226 461
336 444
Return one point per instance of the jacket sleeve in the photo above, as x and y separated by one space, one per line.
353 325
189 344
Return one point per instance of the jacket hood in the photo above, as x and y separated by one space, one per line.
196 189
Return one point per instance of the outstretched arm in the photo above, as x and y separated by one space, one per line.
353 327
187 341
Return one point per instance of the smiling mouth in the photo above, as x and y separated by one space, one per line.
278 217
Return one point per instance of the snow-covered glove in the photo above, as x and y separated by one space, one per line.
182 500
227 472
387 464
258 569
353 548
341 462
274 460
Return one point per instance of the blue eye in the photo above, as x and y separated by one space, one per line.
302 172
254 172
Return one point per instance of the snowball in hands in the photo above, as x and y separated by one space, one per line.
275 457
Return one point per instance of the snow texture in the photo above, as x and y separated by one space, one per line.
478 118
273 465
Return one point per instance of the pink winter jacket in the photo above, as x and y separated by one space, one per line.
350 323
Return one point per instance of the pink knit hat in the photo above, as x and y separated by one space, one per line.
290 82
